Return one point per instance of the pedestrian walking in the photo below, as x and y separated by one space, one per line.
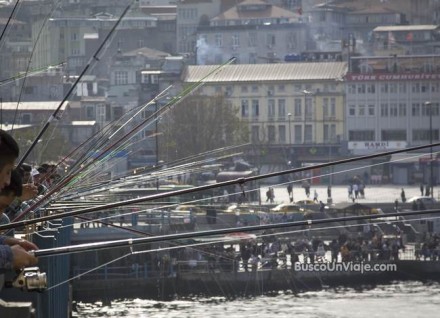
422 188
403 196
315 196
329 191
290 192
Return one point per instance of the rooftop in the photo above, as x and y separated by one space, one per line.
267 72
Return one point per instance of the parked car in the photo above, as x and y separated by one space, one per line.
424 199
306 201
287 207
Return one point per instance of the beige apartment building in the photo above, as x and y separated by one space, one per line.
293 108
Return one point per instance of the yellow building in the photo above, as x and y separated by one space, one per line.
297 104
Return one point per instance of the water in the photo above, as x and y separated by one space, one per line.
402 299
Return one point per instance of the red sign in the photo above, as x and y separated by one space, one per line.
393 77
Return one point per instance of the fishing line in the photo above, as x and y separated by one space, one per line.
174 101
8 23
295 181
32 72
240 181
55 113
87 272
96 141
168 237
29 64
220 240
128 180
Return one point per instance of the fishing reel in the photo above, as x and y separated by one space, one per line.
30 279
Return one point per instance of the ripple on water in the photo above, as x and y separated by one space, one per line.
401 299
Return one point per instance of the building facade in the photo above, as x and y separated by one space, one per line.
294 110
393 103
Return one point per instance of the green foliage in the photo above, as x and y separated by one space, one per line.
51 146
199 124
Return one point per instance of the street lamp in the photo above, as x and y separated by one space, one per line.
289 115
431 181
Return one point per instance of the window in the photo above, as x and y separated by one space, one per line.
298 134
384 88
393 135
371 109
393 110
351 110
255 108
329 132
271 133
271 109
244 108
26 118
254 88
282 133
402 110
325 107
118 112
361 88
297 111
425 135
252 39
371 88
415 109
281 108
332 107
235 40
384 110
352 89
121 78
90 112
270 40
361 135
244 89
308 133
218 40
415 88
308 108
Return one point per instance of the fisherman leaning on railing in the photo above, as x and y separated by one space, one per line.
13 252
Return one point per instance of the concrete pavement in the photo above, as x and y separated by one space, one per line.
373 193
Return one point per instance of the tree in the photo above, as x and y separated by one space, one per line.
199 124
51 146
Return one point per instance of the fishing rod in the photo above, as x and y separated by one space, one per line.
30 73
190 235
174 101
240 181
143 178
106 152
8 22
57 110
192 157
95 141
40 32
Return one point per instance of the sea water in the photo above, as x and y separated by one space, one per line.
400 299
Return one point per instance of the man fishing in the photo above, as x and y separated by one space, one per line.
13 252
